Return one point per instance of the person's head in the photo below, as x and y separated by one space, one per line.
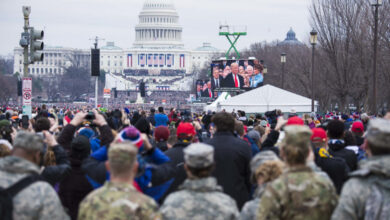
42 124
268 171
161 133
5 130
249 70
152 111
234 67
185 132
209 84
357 128
80 147
215 73
295 147
161 109
224 122
199 160
258 68
378 137
255 135
259 160
5 148
239 128
319 138
29 146
335 129
349 139
122 162
365 118
198 87
241 70
227 69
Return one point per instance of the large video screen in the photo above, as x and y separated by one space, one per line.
243 74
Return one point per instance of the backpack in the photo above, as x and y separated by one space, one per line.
7 194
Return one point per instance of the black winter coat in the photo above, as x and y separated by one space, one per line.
338 150
232 157
54 174
269 143
74 188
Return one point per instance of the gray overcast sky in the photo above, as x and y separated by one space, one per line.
71 23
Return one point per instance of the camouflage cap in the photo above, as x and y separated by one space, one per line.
122 153
199 155
378 132
296 135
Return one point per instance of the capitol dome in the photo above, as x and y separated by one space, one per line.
158 26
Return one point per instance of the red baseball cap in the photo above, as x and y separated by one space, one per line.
185 128
295 121
357 126
319 135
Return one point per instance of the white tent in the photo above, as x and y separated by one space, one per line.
267 98
215 105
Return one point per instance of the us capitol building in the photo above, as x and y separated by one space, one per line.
157 57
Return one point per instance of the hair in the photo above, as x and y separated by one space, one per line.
4 150
121 157
161 109
335 129
152 110
260 129
223 122
42 124
269 170
239 128
319 144
27 141
201 172
258 67
49 159
349 139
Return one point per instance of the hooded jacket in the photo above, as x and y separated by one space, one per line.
36 201
337 149
368 189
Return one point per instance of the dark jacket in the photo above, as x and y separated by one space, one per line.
337 149
232 157
336 168
151 119
270 141
54 174
177 161
229 81
74 188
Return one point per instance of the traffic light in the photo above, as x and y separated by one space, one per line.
36 45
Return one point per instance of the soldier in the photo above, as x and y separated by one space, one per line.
299 193
37 199
118 198
366 195
200 197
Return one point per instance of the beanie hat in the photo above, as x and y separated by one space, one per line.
295 121
255 135
143 125
81 147
131 134
87 132
357 127
161 133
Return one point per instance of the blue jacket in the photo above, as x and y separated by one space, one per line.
161 119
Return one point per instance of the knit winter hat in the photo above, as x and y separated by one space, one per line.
131 134
161 133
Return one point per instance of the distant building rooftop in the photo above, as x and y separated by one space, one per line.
110 45
207 47
291 39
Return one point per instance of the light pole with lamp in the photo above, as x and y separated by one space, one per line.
376 4
283 61
313 42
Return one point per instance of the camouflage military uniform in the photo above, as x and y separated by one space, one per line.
298 193
118 201
36 201
249 210
359 193
199 199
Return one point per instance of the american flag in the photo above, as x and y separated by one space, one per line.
169 60
129 60
182 60
141 60
150 60
155 61
161 60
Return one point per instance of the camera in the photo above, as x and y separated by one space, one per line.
90 116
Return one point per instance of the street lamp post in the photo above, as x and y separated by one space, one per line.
376 4
283 61
313 42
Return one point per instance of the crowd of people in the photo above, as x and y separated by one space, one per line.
158 164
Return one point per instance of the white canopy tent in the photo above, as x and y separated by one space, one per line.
214 106
267 98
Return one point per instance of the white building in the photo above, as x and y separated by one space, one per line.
158 56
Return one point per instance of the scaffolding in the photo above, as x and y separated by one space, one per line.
232 33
